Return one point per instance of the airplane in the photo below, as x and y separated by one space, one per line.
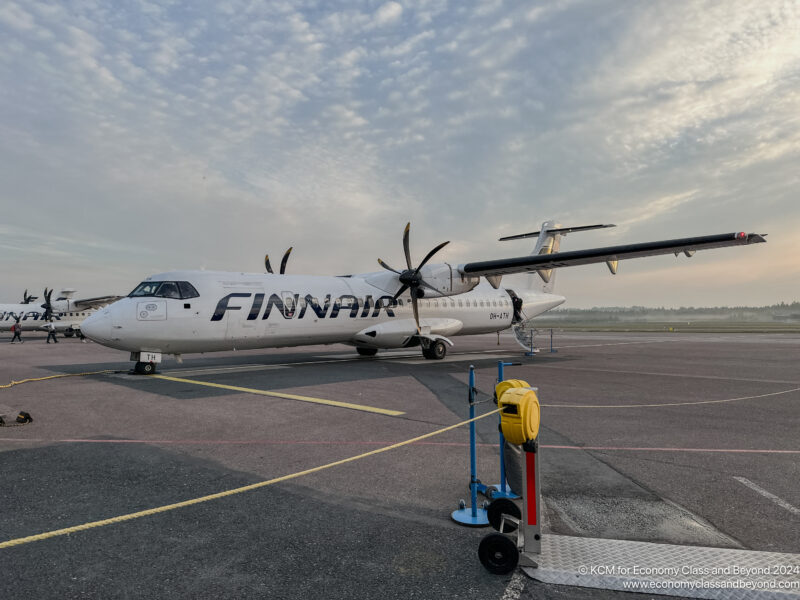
210 311
65 313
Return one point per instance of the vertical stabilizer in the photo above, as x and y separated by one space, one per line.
548 242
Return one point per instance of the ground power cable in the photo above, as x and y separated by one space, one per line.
32 379
657 405
240 490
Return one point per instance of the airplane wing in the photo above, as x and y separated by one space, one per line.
609 254
94 302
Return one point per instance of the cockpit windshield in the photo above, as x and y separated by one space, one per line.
165 289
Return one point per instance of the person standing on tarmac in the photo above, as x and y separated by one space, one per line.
16 329
51 332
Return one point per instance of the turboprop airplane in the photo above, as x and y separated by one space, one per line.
65 313
206 311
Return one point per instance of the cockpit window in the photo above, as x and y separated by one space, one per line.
187 290
165 289
168 289
146 288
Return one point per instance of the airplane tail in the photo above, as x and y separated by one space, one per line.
549 242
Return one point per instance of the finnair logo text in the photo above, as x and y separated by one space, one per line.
291 306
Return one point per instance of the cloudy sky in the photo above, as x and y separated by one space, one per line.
138 137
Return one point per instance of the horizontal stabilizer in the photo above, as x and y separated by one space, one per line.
561 230
537 262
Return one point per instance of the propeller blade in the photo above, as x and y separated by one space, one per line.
266 263
416 310
431 253
428 285
285 258
400 292
405 246
387 267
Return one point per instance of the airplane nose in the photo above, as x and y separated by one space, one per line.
97 327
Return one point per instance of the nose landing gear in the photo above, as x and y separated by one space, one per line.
145 368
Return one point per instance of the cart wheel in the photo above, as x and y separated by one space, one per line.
498 553
500 507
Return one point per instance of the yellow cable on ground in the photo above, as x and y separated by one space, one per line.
247 488
236 388
13 383
693 403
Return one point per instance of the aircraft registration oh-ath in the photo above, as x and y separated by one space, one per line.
205 311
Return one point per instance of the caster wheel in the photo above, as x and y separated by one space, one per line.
462 505
498 554
500 507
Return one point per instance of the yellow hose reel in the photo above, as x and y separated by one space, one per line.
520 413
501 387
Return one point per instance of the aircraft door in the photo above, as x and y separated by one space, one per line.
240 304
290 301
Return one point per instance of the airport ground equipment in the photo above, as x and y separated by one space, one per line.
472 516
519 421
501 490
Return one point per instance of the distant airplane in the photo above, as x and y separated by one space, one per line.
66 314
203 311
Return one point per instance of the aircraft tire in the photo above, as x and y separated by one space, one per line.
366 351
145 368
436 351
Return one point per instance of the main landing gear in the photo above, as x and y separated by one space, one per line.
435 350
145 368
366 351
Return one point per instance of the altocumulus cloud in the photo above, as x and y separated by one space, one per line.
144 137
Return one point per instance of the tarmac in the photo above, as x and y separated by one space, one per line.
688 439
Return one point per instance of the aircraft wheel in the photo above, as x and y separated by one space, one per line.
68 333
367 351
498 553
145 368
437 350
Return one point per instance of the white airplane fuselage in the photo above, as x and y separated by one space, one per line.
247 311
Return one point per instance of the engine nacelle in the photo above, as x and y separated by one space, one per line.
446 280
403 332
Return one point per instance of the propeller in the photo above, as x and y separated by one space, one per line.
411 278
283 262
26 299
47 306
